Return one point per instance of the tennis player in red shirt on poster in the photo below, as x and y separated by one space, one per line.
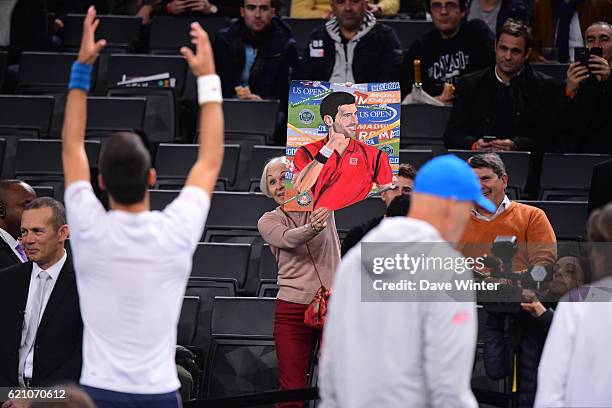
339 170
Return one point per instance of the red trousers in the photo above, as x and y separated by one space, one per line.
294 344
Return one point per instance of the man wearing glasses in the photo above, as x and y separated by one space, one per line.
453 48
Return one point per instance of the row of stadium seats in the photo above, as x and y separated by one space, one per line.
38 161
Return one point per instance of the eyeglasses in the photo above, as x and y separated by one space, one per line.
450 7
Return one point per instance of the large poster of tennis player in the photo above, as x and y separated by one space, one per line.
342 143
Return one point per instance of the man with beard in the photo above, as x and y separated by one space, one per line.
338 170
255 55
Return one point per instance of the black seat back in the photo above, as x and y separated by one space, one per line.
259 156
568 176
120 32
423 125
222 261
170 33
415 157
568 218
188 321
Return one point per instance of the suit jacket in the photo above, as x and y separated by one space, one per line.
57 348
600 193
7 256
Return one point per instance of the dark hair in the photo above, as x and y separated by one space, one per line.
59 212
462 5
488 161
407 171
399 206
516 29
329 104
124 165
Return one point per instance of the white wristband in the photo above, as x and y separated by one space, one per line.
209 89
326 151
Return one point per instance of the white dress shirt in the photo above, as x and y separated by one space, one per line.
53 272
11 242
502 207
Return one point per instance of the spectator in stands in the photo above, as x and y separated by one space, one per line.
323 8
403 187
369 360
574 370
339 170
588 97
507 106
307 249
352 47
495 12
23 27
256 55
561 25
190 8
600 193
135 261
535 235
453 48
39 305
14 196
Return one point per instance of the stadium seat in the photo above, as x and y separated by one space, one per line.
242 356
39 163
267 273
407 31
159 199
236 213
415 157
44 191
52 79
170 33
3 65
259 156
517 167
423 125
164 79
557 71
2 152
302 27
106 115
353 215
120 32
244 117
568 218
173 162
188 321
206 291
221 261
22 117
568 176
28 116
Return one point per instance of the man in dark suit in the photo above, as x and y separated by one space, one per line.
39 306
14 196
600 193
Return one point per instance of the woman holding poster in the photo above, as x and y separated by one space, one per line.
307 249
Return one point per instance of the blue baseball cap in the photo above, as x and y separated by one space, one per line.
450 177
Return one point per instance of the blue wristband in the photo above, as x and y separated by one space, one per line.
80 76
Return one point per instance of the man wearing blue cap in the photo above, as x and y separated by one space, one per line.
390 354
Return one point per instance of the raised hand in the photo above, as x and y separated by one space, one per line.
599 67
318 219
90 48
576 73
202 62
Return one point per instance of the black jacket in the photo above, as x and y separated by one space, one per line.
445 60
522 335
377 56
534 100
7 256
272 69
57 349
587 119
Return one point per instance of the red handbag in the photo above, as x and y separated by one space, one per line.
315 315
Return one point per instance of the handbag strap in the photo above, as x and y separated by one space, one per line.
314 264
